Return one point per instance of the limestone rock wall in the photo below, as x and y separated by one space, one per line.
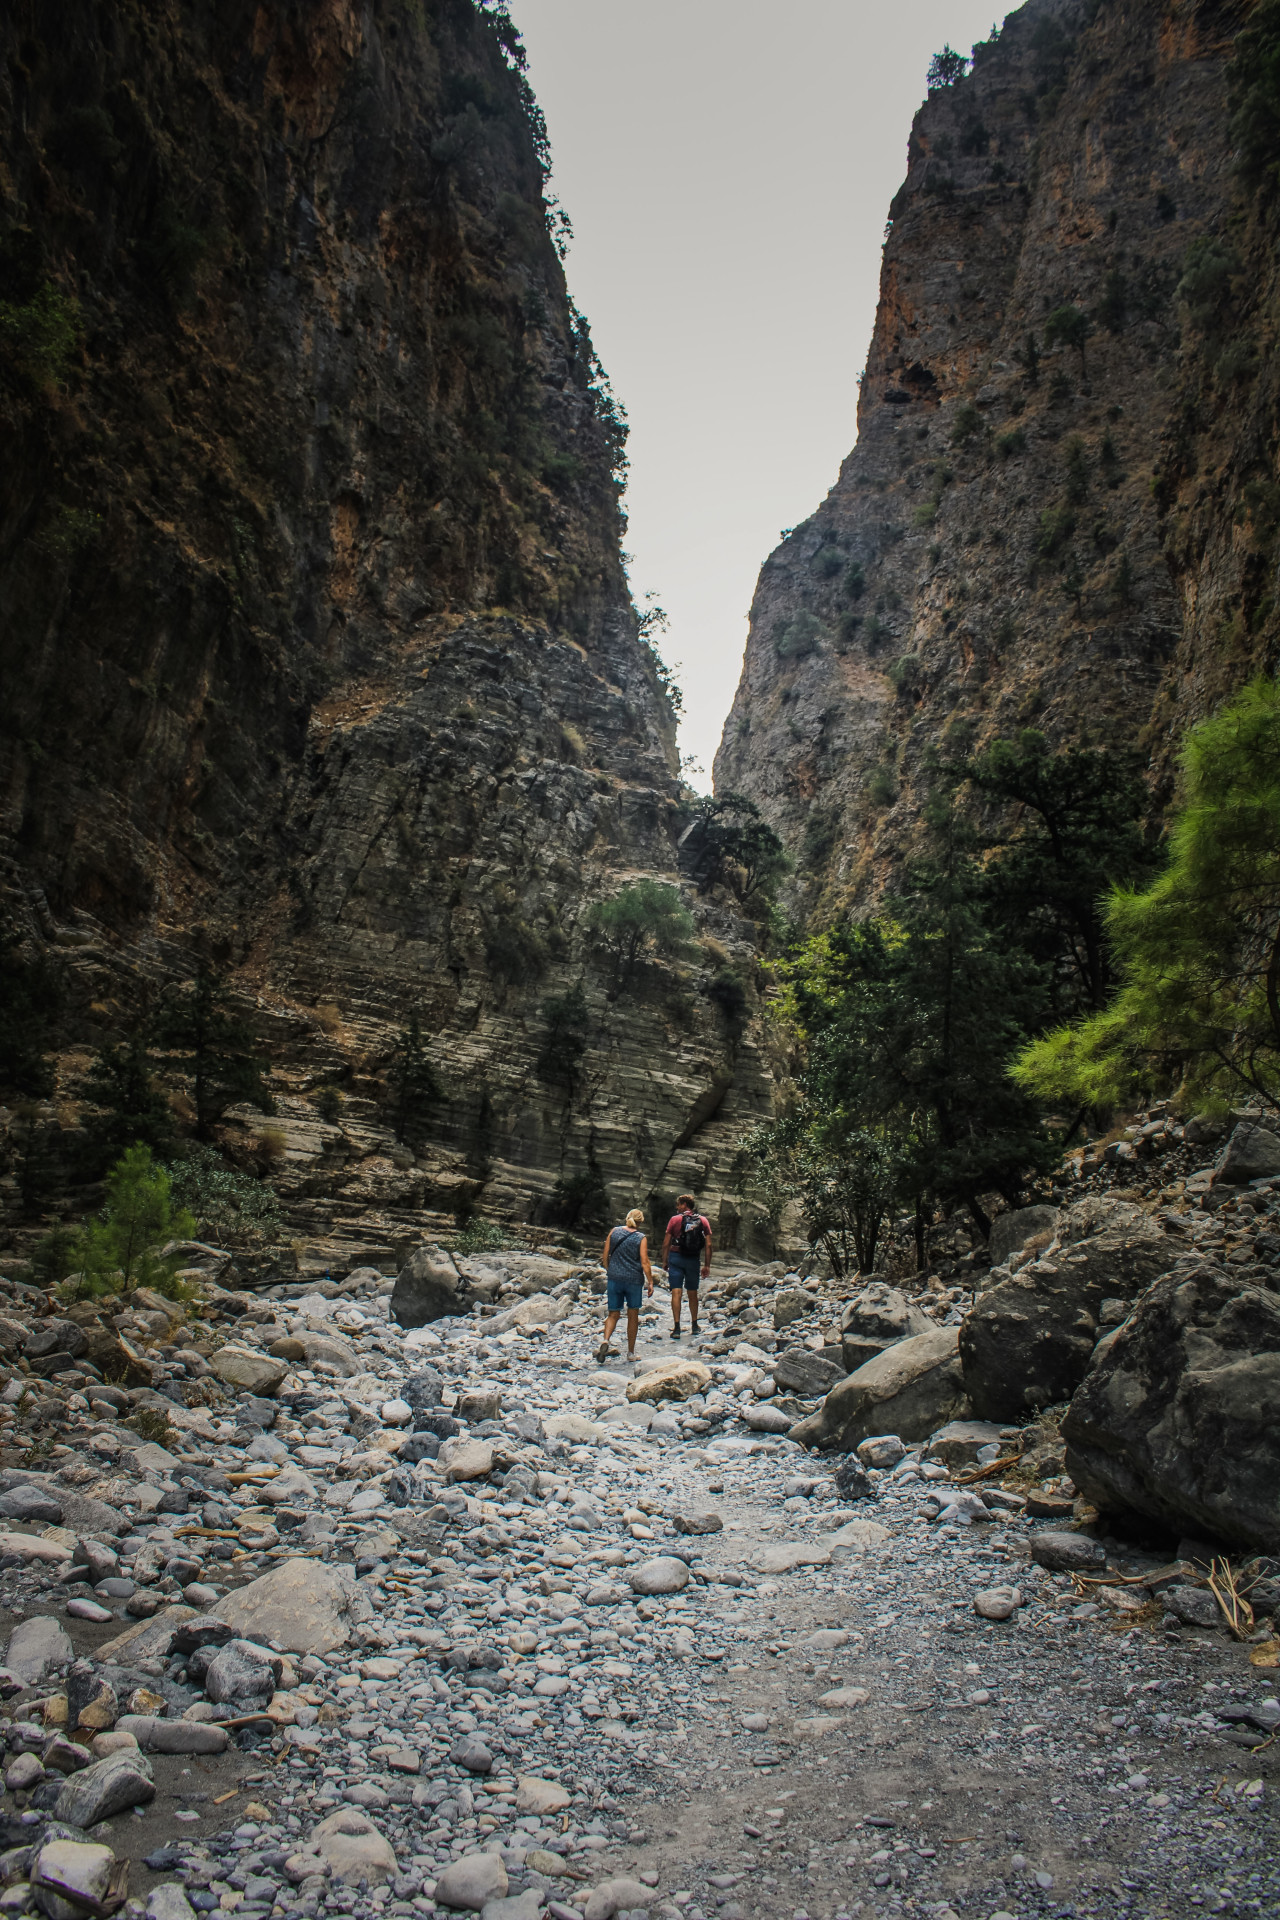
1072 539
319 657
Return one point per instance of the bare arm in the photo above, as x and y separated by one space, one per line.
644 1260
666 1248
604 1251
706 1256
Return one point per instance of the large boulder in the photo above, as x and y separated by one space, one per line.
428 1287
109 1786
911 1389
1252 1153
302 1606
251 1372
805 1373
1178 1417
38 1646
1011 1231
878 1317
1029 1339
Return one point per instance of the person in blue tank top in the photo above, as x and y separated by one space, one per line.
625 1255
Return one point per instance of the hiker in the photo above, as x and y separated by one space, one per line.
625 1255
686 1255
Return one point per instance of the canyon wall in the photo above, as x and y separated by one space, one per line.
1071 530
318 658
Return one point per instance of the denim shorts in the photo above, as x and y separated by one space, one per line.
684 1270
625 1293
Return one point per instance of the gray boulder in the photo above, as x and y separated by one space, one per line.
242 1672
876 1318
1011 1231
428 1287
1252 1153
1178 1417
806 1373
109 1786
911 1389
30 1503
791 1304
423 1390
302 1605
36 1647
1029 1339
1067 1552
1194 1606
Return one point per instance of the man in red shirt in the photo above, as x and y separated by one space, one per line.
686 1255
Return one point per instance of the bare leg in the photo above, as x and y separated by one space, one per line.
633 1328
693 1309
609 1326
677 1294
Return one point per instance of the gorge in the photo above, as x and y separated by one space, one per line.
320 667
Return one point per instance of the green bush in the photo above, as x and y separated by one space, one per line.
1010 444
1208 269
1253 95
828 561
1054 529
946 68
477 1235
120 1249
966 423
855 580
882 787
1076 463
228 1206
1067 326
413 1084
801 635
40 336
329 1104
647 916
559 1061
67 532
904 674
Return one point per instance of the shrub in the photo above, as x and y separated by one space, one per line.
882 787
798 637
966 423
1076 463
67 532
477 1235
1068 327
904 674
827 562
1011 443
40 336
215 1046
855 580
329 1104
120 1249
727 990
1054 528
1208 268
414 1084
1253 95
559 1062
54 1256
513 950
227 1205
149 1423
645 916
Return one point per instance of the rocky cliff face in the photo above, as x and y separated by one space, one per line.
1073 533
319 657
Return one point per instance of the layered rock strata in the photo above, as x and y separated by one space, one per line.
320 657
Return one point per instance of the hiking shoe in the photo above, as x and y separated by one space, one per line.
675 1333
602 1353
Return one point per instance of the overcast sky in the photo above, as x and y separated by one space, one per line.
728 167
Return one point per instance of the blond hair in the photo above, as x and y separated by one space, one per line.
635 1218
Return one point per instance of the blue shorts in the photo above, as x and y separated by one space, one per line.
625 1293
684 1270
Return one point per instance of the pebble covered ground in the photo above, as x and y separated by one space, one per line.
812 1721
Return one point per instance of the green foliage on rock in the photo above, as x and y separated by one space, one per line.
946 68
29 999
646 916
731 844
1198 950
1068 326
1253 94
38 336
132 1108
207 1039
229 1207
564 1044
120 1249
413 1083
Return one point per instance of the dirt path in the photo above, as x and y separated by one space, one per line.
1047 1765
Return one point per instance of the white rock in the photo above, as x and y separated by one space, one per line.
664 1575
997 1603
396 1413
169 1902
470 1883
617 1896
36 1646
353 1849
70 1867
540 1796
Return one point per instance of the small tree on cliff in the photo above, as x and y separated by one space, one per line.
647 916
216 1046
1068 327
946 68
